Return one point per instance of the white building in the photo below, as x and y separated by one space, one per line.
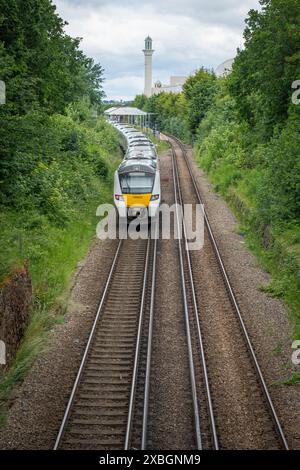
175 86
148 52
176 82
225 68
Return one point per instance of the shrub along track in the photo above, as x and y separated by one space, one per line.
241 405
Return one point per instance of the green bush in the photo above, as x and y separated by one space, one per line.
51 175
261 180
279 193
56 162
49 221
178 127
56 181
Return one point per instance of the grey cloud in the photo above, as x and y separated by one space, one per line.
225 12
186 35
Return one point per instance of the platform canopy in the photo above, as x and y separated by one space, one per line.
128 114
109 110
125 111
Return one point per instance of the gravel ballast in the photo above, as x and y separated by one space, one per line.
170 398
266 318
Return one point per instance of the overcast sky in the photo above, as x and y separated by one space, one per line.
186 35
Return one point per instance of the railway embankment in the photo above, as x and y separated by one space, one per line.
50 233
15 302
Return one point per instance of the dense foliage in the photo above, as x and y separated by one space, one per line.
52 88
180 114
167 112
253 126
54 152
265 69
42 66
199 91
56 162
45 72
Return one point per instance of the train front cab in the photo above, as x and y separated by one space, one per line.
137 188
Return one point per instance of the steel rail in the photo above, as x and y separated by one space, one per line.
149 349
235 304
87 348
197 314
137 353
187 320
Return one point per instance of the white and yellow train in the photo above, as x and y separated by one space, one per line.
137 179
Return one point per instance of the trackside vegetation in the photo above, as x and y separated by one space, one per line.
57 157
245 129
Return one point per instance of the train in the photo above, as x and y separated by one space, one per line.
137 191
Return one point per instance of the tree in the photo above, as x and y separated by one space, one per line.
45 72
199 91
42 66
139 101
264 70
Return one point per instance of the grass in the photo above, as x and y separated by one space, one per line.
53 254
281 256
278 349
52 251
292 380
161 145
283 267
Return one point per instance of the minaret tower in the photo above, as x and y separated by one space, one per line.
148 51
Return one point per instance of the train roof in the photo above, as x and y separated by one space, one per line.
140 142
130 165
140 154
145 149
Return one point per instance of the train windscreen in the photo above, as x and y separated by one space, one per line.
137 182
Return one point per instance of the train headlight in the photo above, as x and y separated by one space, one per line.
119 197
154 197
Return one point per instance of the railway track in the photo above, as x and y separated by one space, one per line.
190 313
223 417
108 405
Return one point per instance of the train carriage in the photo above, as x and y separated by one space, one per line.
137 180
